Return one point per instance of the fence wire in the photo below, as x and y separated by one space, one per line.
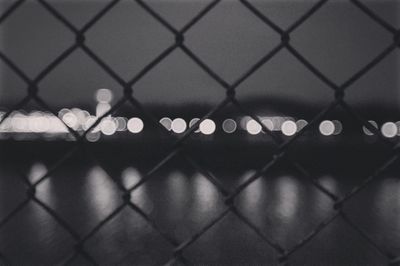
178 146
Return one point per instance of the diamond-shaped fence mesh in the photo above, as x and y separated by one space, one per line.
179 143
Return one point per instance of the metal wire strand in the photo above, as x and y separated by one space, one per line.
178 146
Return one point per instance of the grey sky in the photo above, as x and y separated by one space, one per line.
339 40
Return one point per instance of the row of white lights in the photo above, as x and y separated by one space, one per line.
388 129
287 126
77 119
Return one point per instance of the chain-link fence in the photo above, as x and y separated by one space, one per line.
178 146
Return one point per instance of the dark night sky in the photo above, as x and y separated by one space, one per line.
338 39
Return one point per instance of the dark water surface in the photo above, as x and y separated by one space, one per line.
283 204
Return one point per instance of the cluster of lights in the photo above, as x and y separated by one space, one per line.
286 125
82 120
388 129
289 126
179 125
35 122
77 119
329 128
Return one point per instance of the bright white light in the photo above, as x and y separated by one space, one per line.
19 123
42 124
81 115
243 122
253 127
366 130
289 128
70 120
102 108
5 125
301 123
104 95
62 112
178 125
389 129
108 126
56 126
229 126
166 122
207 127
89 122
135 125
38 122
268 123
326 127
338 127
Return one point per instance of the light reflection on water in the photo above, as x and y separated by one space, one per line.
286 199
195 192
177 185
103 196
130 177
37 171
278 204
205 196
254 192
44 189
387 208
287 193
253 196
139 196
323 203
37 215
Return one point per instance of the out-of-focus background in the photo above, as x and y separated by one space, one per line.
178 198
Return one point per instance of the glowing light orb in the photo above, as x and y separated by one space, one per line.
253 127
389 129
102 108
70 120
327 128
135 125
108 126
289 128
104 95
178 125
229 126
207 127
